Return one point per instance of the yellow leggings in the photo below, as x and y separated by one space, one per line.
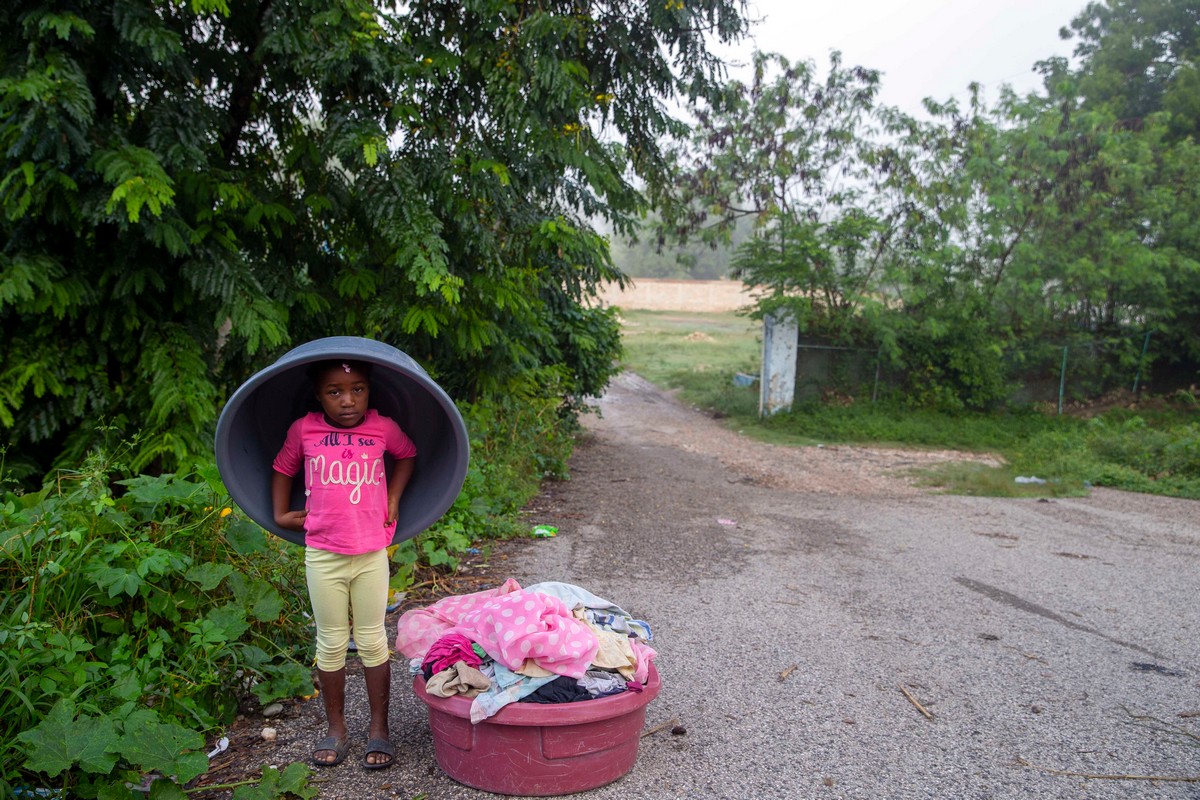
337 584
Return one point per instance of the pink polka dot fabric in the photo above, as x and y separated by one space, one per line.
520 625
418 629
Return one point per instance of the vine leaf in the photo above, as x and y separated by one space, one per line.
293 780
163 746
61 740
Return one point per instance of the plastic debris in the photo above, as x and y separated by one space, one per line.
544 531
729 523
221 747
744 379
394 600
1028 479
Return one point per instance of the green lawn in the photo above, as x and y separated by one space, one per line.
669 347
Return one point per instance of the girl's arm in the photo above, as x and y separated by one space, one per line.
402 470
281 498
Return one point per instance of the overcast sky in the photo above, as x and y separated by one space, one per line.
924 48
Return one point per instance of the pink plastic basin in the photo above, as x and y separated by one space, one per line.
539 749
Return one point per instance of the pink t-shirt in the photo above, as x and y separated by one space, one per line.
345 480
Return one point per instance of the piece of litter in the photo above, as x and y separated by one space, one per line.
544 531
727 522
25 791
222 746
394 600
1028 479
269 734
744 379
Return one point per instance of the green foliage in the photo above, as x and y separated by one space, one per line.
795 154
517 441
140 611
1167 452
187 189
1139 59
952 365
1113 449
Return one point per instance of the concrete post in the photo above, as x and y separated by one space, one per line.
777 388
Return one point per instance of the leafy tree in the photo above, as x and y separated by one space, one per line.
189 188
1141 57
796 154
1138 67
959 245
1028 226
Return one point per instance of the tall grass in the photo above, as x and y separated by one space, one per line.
1153 447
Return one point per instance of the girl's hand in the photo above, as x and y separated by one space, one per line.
292 520
393 513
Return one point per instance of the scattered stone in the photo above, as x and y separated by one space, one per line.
678 730
269 734
273 710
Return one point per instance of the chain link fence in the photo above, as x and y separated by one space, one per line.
1049 373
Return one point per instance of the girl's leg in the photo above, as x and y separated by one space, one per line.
333 692
368 598
328 576
379 687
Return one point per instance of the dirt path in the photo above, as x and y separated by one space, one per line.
637 413
806 601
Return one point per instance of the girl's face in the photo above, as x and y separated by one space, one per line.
343 392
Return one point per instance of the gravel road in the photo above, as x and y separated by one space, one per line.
811 608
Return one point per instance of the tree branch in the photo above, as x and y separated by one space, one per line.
242 96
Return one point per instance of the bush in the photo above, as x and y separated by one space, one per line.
141 612
517 440
953 365
1171 451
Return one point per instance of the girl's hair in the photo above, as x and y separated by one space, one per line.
319 368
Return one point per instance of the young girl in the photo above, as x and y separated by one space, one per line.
348 520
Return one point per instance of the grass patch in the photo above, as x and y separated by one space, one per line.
1153 449
689 351
982 480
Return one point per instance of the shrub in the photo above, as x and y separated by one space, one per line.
517 440
141 611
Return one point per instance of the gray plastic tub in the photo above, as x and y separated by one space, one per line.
253 424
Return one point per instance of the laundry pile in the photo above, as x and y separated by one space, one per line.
547 643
